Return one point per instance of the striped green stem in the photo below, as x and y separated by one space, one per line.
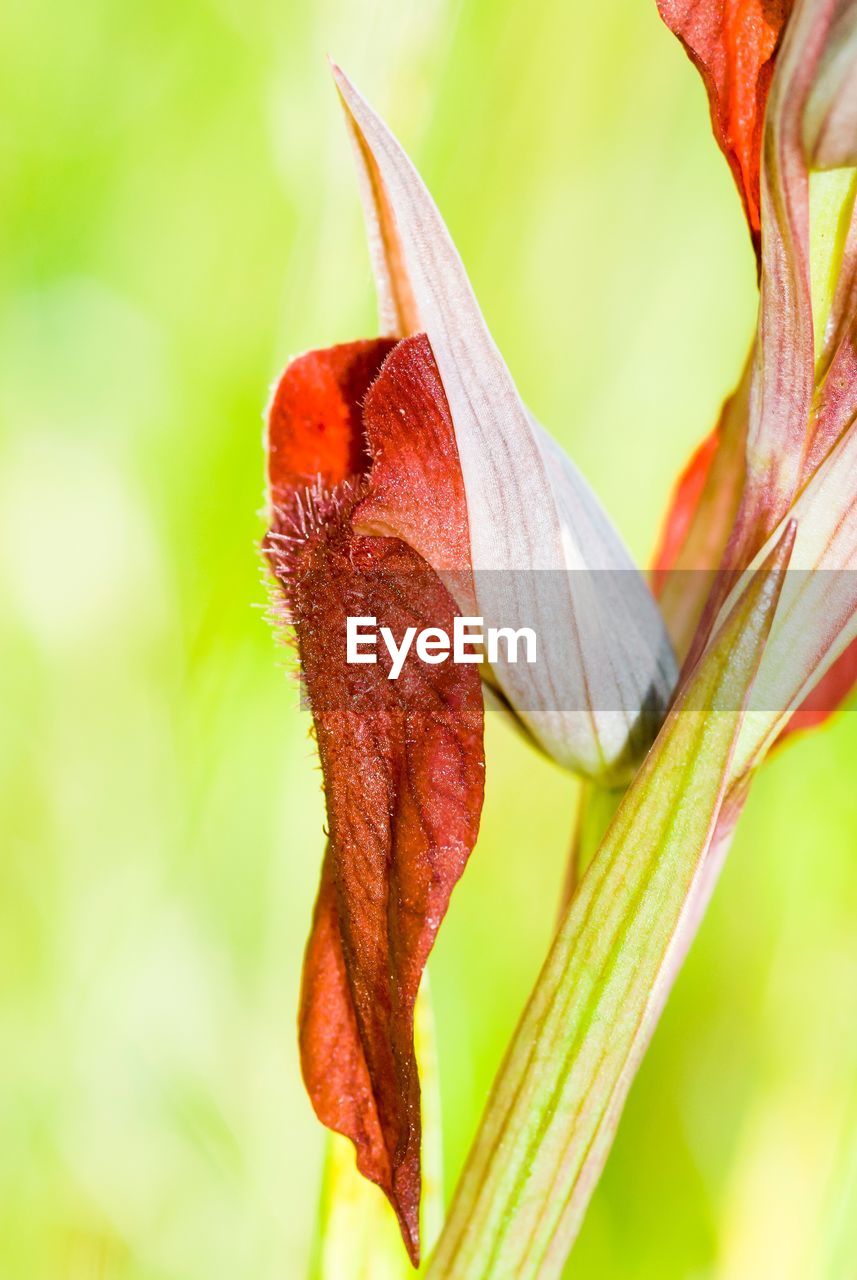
554 1108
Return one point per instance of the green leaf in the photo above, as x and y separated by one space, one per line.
554 1108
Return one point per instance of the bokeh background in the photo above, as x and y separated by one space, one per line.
178 217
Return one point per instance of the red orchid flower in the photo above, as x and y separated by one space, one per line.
409 484
797 396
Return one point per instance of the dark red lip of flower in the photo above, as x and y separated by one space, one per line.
360 438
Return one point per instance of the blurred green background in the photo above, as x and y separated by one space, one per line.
179 216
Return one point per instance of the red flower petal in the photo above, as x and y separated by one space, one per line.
403 774
334 1065
402 759
314 419
732 43
416 488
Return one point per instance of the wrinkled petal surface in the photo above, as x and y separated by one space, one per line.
402 759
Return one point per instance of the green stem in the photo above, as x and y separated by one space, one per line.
550 1121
